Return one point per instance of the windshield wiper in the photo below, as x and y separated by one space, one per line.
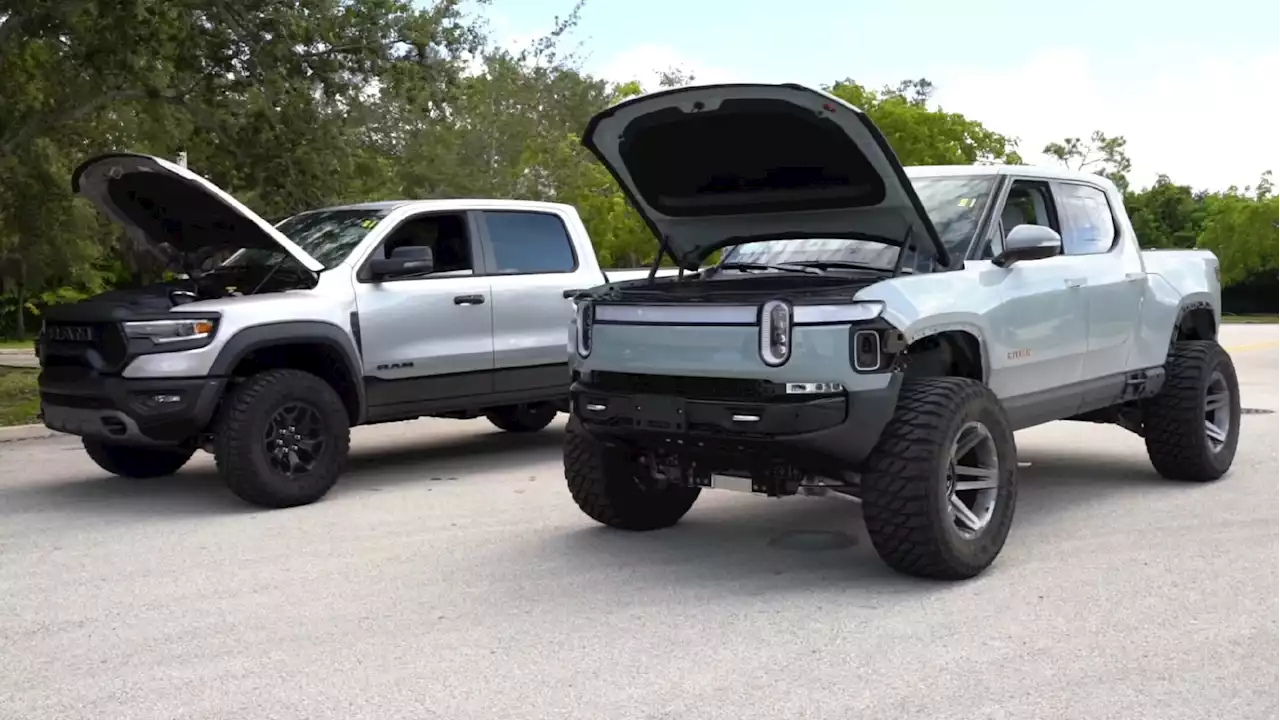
797 267
843 264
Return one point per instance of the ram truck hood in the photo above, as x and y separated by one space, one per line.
718 165
163 204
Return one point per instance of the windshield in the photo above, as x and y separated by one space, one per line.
954 205
329 236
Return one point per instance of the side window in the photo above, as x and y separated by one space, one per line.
1087 224
445 234
529 242
1029 202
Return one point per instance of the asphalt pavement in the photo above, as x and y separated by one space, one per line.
449 575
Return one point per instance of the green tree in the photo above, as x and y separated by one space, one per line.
921 135
1240 228
1166 215
1102 154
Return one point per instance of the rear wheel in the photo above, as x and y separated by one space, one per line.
1192 426
614 490
136 461
939 489
530 417
282 439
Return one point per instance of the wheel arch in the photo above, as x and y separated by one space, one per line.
952 351
321 348
1196 321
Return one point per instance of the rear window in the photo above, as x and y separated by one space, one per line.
747 156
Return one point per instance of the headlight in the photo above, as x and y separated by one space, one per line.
775 332
585 324
169 331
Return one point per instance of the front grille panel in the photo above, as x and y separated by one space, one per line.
694 388
70 344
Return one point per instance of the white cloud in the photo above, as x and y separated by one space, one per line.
1204 121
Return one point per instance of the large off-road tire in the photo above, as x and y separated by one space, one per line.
912 495
527 418
282 439
1192 426
136 461
603 482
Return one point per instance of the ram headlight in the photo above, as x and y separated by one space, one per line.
171 331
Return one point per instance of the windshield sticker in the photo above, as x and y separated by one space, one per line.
369 224
966 202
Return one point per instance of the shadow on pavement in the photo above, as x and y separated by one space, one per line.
801 543
196 490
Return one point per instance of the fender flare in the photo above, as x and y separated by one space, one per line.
970 328
295 332
1186 308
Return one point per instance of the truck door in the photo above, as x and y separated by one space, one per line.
532 262
427 337
1115 280
1039 330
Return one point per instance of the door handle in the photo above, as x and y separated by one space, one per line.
469 300
1135 276
1075 282
573 293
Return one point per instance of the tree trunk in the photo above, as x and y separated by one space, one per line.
20 324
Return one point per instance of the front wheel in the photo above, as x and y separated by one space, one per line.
282 439
1192 426
136 461
615 491
939 488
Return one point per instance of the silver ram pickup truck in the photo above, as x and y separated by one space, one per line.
333 318
873 331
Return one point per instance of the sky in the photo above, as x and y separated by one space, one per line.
1185 83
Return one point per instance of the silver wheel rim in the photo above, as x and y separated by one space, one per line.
1217 412
973 479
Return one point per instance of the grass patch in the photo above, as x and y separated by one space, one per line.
19 397
1251 319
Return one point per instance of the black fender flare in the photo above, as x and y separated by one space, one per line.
295 332
1188 308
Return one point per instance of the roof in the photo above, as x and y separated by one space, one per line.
1033 171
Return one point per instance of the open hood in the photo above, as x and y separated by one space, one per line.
167 205
718 165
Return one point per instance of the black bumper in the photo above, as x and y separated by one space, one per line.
163 411
820 433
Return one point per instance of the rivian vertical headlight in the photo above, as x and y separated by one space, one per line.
775 332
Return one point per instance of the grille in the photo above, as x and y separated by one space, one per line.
62 345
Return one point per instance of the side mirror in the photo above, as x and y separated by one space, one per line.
1028 242
404 260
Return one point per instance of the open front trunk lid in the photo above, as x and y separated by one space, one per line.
718 165
167 205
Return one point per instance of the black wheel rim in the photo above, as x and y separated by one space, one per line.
294 439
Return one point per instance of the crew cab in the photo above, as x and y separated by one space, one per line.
873 331
336 317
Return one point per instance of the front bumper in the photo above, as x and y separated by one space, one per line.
817 434
125 410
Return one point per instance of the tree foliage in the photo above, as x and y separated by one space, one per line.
293 104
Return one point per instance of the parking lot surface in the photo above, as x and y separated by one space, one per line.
449 575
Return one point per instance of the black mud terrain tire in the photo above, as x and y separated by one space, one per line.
603 482
136 461
908 480
254 424
527 418
1176 421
